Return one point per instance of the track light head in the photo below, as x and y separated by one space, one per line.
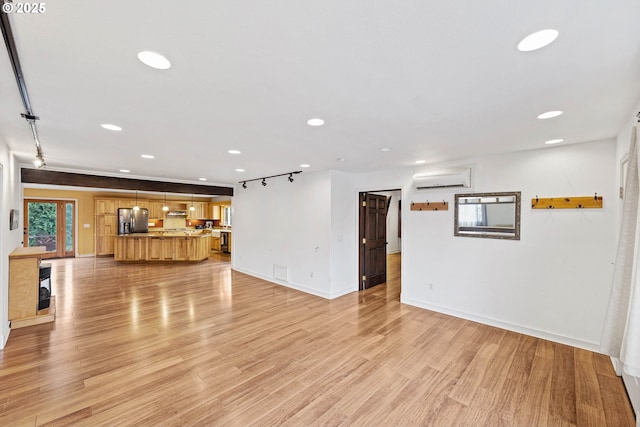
264 182
39 162
244 184
290 177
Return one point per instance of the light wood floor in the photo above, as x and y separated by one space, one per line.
138 345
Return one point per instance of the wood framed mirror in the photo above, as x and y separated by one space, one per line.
488 215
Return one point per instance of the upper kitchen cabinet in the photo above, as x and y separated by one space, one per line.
155 210
106 206
215 212
129 203
198 211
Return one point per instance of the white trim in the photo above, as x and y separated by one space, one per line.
586 345
294 286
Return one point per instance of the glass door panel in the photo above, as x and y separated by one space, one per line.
42 225
50 223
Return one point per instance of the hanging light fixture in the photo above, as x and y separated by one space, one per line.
136 207
192 208
165 208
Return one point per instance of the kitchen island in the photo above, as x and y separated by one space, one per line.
161 246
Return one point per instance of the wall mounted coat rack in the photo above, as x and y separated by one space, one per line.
430 206
587 202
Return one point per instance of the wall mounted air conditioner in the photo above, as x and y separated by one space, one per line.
454 178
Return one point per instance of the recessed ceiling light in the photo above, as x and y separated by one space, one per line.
202 179
304 165
239 170
537 40
234 152
125 170
147 156
554 141
341 159
420 162
549 114
385 149
154 60
112 127
315 122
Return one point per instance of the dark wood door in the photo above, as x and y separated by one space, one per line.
373 240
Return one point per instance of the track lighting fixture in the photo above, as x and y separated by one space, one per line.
264 179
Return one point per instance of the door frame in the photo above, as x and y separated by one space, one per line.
76 219
360 224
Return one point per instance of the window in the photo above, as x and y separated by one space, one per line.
226 215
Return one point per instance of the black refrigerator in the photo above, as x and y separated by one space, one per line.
132 221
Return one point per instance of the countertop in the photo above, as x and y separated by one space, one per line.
165 234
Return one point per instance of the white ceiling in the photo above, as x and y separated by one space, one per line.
433 80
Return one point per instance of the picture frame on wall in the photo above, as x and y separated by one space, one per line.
14 219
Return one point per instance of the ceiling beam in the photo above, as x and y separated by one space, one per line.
47 177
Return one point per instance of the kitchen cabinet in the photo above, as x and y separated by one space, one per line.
155 210
215 212
130 203
161 249
106 228
215 243
131 248
106 206
198 212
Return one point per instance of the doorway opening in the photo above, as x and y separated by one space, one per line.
50 223
379 238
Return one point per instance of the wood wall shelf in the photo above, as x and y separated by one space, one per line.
430 206
588 202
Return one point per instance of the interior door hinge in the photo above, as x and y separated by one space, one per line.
364 278
364 241
364 203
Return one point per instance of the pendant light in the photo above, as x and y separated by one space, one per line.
136 207
165 208
192 208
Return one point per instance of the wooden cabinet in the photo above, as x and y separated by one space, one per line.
155 210
130 203
131 248
215 212
215 243
106 228
106 206
198 212
161 249
24 285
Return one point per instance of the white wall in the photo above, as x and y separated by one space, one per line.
10 239
344 264
285 230
554 282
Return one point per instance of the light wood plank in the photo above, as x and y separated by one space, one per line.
200 344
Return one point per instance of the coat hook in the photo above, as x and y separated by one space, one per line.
595 197
427 203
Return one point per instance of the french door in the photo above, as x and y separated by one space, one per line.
50 223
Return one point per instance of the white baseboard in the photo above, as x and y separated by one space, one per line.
504 325
3 338
285 284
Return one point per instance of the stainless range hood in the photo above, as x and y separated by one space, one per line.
176 214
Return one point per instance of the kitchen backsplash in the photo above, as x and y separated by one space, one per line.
174 223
